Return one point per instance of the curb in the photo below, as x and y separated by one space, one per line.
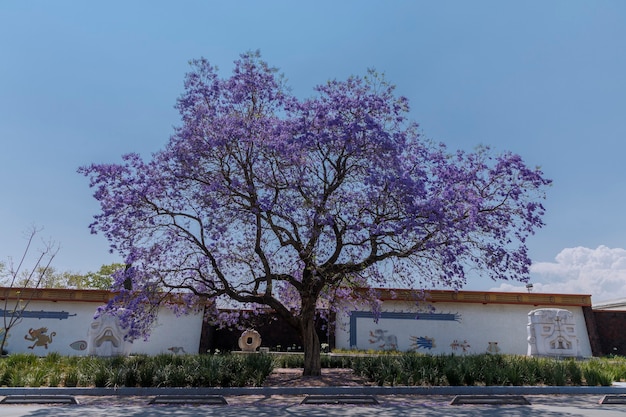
359 390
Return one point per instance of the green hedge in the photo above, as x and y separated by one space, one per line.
235 370
422 370
136 371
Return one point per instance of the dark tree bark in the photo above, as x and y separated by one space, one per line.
310 343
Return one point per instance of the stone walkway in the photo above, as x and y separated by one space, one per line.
331 377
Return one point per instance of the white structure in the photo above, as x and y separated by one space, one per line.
59 320
249 341
106 337
552 332
614 305
463 322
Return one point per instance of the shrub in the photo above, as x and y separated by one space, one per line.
55 379
453 376
598 372
594 377
575 373
71 378
230 370
37 377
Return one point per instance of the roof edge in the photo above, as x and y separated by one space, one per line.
56 294
485 297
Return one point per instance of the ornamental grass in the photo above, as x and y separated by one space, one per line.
27 370
234 370
413 369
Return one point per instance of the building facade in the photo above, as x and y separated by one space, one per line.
463 322
62 321
443 322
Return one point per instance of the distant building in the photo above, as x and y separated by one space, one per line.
618 305
610 323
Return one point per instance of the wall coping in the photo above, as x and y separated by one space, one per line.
485 297
432 296
56 294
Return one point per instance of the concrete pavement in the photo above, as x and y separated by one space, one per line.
414 407
283 403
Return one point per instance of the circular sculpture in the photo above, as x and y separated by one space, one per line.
250 340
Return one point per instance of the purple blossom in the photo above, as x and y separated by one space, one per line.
265 201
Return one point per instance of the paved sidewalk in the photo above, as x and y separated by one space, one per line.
275 403
547 406
616 389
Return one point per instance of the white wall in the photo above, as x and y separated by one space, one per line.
172 331
68 323
452 327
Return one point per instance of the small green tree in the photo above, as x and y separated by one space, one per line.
101 280
17 276
51 278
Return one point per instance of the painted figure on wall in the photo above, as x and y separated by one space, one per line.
40 337
386 341
79 345
422 342
456 345
493 348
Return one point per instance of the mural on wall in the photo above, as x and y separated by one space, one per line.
390 341
422 342
493 348
438 316
42 314
79 345
386 341
456 345
63 322
40 337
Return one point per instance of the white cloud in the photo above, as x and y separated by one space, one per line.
600 272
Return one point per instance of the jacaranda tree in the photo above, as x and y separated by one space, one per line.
271 201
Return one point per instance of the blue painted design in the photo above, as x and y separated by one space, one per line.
397 316
79 345
437 316
422 342
26 314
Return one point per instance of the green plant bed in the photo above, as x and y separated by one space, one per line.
501 370
166 370
249 370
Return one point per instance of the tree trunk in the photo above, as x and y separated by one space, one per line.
311 345
5 336
3 341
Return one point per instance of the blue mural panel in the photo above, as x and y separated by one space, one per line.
42 314
397 316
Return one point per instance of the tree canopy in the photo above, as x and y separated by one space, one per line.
270 200
50 277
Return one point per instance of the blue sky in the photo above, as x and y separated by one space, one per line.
84 82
